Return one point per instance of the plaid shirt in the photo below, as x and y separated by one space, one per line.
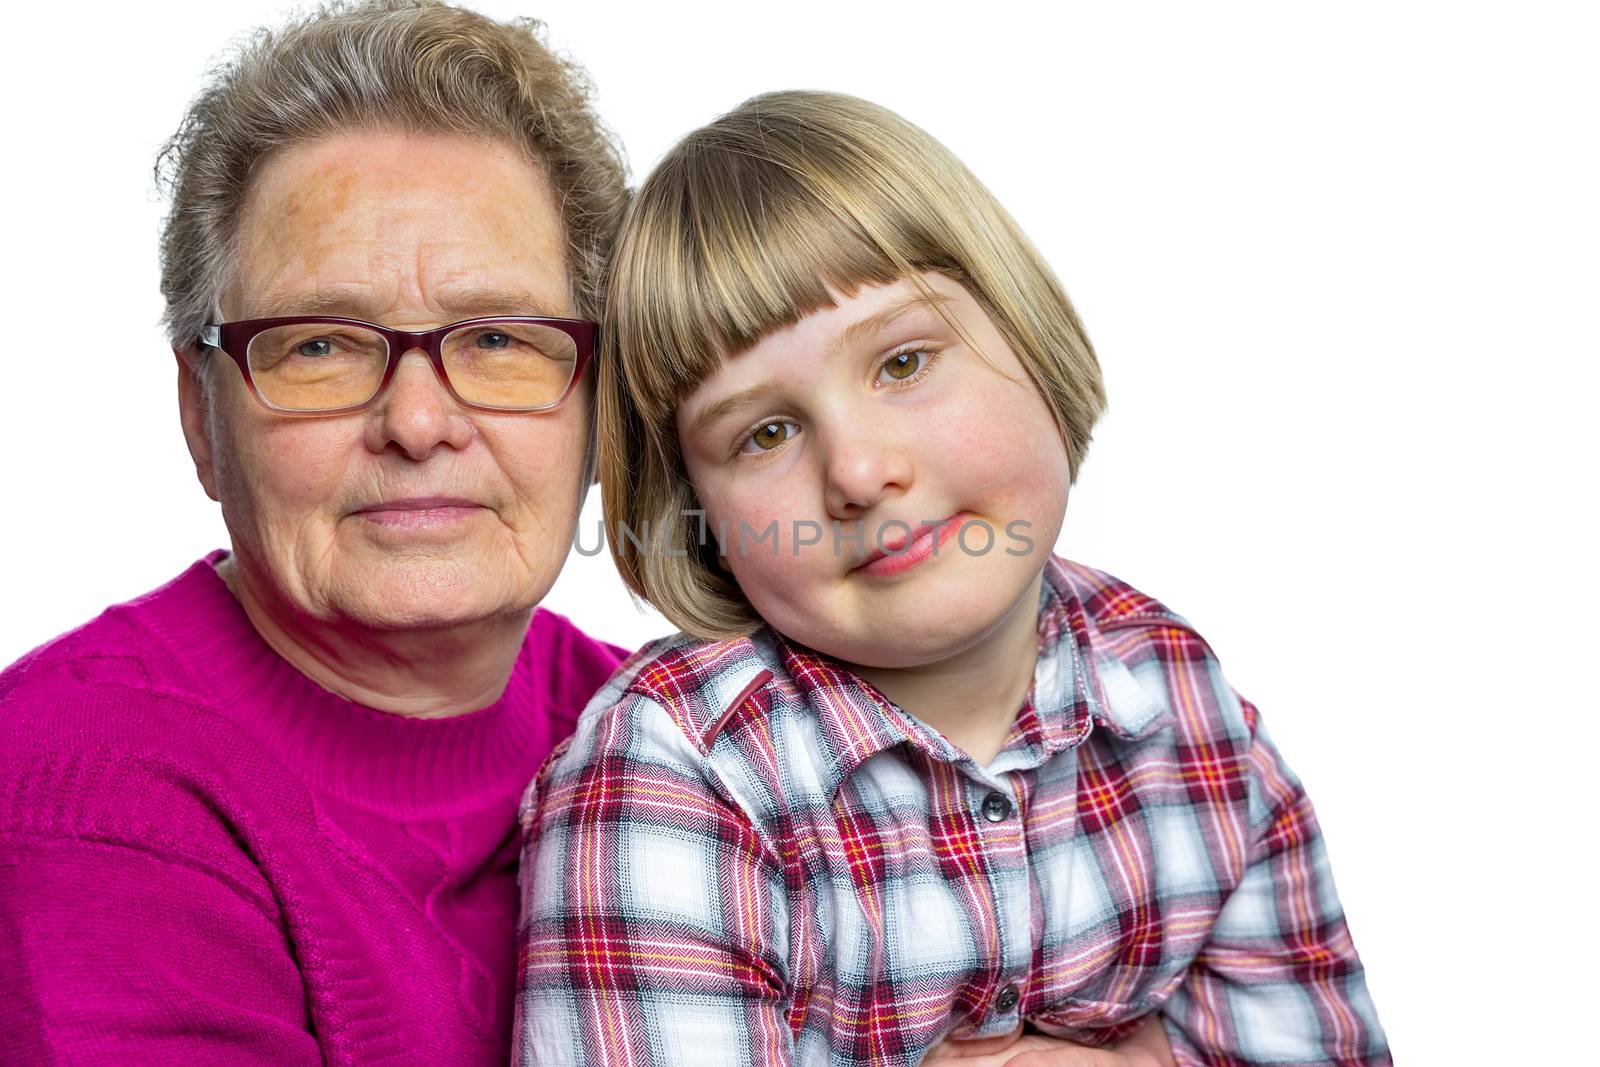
748 854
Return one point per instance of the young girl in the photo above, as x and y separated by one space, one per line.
906 778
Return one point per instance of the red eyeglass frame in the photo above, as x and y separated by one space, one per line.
233 340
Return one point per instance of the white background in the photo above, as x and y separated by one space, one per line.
1339 262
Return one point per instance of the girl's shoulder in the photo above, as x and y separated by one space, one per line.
760 722
1108 601
698 685
1146 667
1108 613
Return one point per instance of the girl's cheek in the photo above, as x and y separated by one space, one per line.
737 519
765 535
978 432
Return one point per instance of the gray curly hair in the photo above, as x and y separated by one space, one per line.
413 65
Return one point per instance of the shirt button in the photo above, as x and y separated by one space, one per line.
996 808
1006 999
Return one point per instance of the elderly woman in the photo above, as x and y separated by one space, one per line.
266 813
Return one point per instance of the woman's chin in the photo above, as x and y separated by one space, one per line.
419 592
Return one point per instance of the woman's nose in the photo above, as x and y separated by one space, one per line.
417 414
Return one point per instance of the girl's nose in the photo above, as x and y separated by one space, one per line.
863 470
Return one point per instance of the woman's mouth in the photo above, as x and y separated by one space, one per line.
420 513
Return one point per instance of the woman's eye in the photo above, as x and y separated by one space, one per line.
493 340
316 348
901 366
767 436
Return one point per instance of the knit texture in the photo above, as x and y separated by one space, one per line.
206 857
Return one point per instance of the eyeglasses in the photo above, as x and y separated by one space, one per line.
302 365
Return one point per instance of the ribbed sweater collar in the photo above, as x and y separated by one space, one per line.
386 762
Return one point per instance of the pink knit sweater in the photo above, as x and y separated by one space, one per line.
205 857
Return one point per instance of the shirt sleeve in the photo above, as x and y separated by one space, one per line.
655 926
117 950
1279 981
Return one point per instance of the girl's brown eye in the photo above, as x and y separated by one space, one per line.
768 436
902 366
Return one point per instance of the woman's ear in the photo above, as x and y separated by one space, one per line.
193 411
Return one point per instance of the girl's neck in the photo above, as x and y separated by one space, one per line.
973 697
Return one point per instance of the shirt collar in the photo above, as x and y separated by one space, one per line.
1111 695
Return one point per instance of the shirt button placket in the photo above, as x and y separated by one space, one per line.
1011 905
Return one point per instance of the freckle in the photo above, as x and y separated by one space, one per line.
341 191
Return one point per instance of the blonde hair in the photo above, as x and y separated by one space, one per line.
749 224
412 65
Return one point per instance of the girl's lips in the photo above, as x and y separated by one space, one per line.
924 543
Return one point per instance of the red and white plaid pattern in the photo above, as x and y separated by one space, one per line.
749 855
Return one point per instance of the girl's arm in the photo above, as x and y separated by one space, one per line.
1278 980
655 925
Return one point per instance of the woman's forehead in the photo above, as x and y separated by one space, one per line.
363 218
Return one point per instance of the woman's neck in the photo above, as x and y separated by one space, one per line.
421 673
972 698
